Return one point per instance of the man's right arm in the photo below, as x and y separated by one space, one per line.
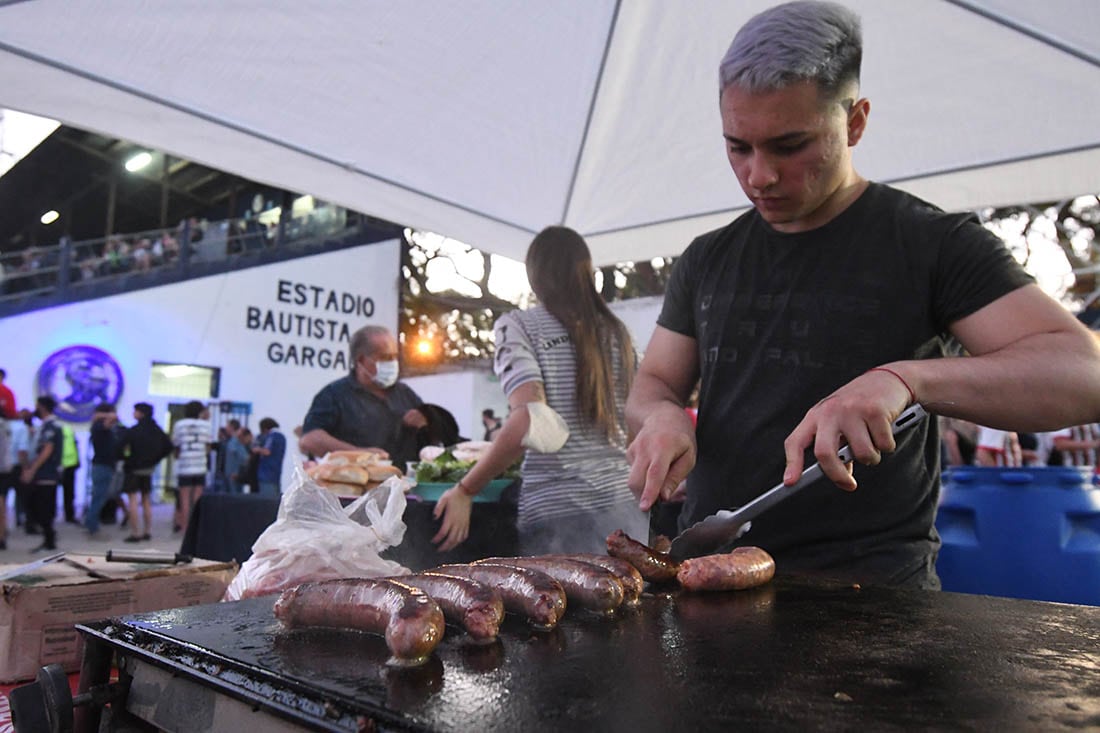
323 413
662 451
318 442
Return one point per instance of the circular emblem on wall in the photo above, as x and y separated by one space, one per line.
79 378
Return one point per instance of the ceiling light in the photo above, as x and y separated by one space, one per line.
177 371
50 217
139 161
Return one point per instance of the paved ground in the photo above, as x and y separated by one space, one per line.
74 538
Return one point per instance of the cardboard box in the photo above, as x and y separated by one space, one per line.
39 608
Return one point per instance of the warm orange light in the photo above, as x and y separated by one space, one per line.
424 347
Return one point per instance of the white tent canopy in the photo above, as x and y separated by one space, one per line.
486 120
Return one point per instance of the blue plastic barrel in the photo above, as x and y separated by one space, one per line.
1021 532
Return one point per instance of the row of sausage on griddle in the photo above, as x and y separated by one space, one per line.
743 567
410 610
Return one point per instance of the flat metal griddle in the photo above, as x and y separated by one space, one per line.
791 655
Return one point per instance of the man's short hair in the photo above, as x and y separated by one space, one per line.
104 408
3 375
234 423
799 41
48 402
362 341
193 409
268 424
144 408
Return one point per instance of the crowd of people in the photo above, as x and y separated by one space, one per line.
37 268
967 444
39 453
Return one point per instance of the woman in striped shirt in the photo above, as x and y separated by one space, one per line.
572 355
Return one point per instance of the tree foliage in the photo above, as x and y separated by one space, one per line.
1056 241
456 320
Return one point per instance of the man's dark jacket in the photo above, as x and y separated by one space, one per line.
144 445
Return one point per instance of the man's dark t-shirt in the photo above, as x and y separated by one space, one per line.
783 320
350 412
145 444
105 442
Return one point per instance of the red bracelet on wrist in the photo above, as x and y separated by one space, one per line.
912 395
466 489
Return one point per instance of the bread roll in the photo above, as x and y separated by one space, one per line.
354 457
341 473
380 473
342 489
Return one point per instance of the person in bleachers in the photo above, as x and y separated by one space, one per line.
143 255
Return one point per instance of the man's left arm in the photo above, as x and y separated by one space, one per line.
412 419
1031 367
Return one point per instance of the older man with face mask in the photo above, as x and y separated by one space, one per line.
369 408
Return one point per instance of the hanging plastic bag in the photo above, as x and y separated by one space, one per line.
314 538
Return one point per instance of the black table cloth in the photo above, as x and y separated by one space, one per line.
492 533
224 526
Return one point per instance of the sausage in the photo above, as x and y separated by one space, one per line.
585 585
409 619
745 567
524 592
474 606
627 574
654 566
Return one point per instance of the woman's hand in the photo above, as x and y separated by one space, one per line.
454 507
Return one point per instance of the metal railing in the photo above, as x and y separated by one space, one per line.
69 268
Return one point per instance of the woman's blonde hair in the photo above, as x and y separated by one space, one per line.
559 268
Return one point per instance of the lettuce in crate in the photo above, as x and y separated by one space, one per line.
445 468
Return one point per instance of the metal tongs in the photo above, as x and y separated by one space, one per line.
726 525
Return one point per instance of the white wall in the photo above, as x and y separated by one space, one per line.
231 321
640 317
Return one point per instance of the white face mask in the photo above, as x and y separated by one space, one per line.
386 372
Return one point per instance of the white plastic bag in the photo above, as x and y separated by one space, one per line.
547 431
314 538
